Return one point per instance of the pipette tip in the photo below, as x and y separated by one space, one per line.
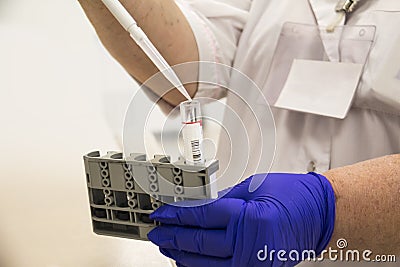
184 93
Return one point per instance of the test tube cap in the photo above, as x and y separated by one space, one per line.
190 111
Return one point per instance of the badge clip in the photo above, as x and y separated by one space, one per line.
342 8
346 6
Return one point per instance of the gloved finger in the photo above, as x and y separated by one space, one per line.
242 190
217 214
195 260
209 242
238 191
222 193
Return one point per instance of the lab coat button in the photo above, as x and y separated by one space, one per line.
311 166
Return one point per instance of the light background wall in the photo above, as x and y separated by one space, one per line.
61 96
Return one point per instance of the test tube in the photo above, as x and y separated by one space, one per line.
192 132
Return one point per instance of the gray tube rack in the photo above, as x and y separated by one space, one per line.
119 205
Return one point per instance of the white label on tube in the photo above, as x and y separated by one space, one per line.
192 143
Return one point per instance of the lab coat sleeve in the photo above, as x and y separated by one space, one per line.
217 26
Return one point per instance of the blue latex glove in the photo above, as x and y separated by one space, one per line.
287 212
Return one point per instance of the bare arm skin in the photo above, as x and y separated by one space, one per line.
165 26
368 205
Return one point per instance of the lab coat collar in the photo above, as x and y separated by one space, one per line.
324 11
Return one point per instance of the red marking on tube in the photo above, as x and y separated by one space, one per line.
195 122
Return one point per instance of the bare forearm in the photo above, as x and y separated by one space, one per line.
166 27
368 204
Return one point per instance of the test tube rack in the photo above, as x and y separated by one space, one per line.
119 204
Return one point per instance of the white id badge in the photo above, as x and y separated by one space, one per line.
320 87
315 71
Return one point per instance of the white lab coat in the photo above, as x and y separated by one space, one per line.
244 34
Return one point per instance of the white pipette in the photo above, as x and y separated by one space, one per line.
141 39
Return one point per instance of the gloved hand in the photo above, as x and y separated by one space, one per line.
289 212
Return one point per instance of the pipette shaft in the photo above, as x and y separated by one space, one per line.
141 39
